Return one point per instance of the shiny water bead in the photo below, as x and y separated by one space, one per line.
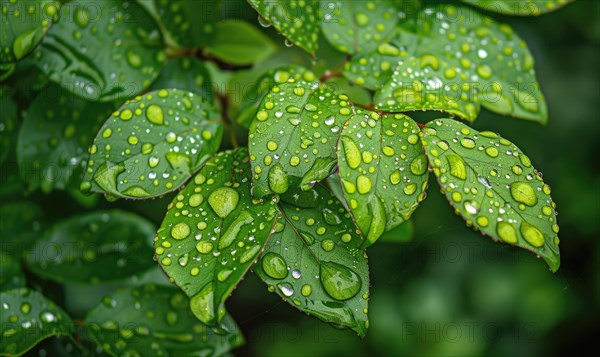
305 28
217 230
358 26
156 150
108 56
494 189
315 260
304 150
473 68
383 175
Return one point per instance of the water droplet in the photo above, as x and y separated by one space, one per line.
457 166
278 179
363 183
471 207
224 274
154 114
506 232
180 230
532 234
223 201
339 282
351 152
296 274
274 265
522 192
286 288
233 231
25 308
306 290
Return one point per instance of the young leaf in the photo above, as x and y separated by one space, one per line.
103 246
298 21
153 144
383 170
463 60
358 26
227 45
494 187
19 226
519 7
54 138
190 23
154 320
294 135
12 277
23 25
185 73
313 261
102 50
27 318
255 93
8 123
212 233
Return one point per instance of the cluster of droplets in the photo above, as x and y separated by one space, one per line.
382 172
219 231
296 128
494 186
153 144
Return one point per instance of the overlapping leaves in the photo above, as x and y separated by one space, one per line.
153 144
494 187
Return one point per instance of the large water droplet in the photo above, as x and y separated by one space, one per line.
522 192
278 179
274 265
339 282
351 152
532 234
506 232
223 201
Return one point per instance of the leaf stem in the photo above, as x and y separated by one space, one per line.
224 103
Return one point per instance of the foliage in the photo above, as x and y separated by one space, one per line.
290 178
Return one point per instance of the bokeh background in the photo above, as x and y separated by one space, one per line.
449 291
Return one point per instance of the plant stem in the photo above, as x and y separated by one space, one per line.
224 103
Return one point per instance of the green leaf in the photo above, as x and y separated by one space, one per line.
313 261
54 137
20 225
298 21
401 234
255 93
12 277
519 7
94 247
463 60
8 124
358 26
228 45
27 318
190 23
494 187
103 50
154 320
153 144
23 25
212 233
382 169
294 135
185 73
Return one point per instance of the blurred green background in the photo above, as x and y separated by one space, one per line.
449 291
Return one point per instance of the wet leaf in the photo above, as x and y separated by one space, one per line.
153 144
94 247
103 50
294 135
185 73
227 45
23 25
190 23
12 277
8 124
298 21
382 169
27 318
54 137
464 60
212 233
494 187
154 320
358 26
313 261
519 7
20 225
256 92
